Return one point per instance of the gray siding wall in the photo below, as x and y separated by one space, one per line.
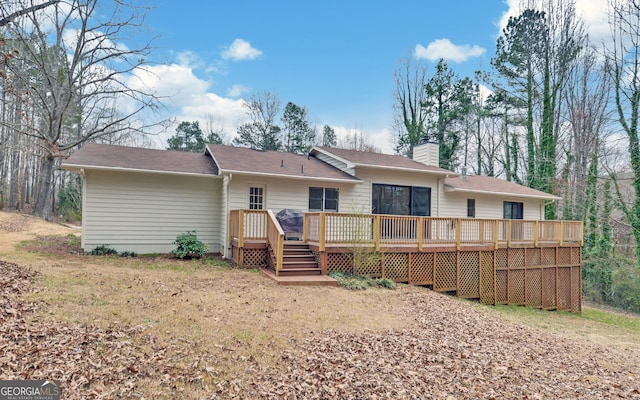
144 212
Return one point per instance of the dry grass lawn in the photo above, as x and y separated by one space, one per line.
155 327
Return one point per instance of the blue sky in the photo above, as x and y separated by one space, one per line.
336 58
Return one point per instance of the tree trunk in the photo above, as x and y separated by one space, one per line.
15 172
45 192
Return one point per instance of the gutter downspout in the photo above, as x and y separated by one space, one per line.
227 218
440 190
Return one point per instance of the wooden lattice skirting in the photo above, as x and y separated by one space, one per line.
548 277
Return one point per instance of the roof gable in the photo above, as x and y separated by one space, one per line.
496 186
244 160
111 157
355 158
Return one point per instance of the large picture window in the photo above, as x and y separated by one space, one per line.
401 200
512 210
323 199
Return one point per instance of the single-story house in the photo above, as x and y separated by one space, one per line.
139 199
480 237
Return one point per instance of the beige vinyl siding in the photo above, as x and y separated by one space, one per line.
283 193
454 204
144 212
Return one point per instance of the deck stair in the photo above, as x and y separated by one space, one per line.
298 260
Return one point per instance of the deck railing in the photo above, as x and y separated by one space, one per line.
395 230
329 228
248 225
275 237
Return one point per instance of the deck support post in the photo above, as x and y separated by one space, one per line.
241 228
323 230
376 231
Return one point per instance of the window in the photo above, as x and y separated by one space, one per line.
323 199
471 208
401 200
256 197
512 210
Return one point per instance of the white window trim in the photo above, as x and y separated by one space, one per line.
264 194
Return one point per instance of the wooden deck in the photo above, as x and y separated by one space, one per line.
532 263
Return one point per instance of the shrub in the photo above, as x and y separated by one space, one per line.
69 205
614 281
189 246
128 254
360 282
104 250
387 283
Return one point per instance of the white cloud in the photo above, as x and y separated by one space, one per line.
443 48
238 90
189 98
241 50
189 59
379 139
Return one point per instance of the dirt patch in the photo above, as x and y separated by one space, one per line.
16 227
50 244
16 222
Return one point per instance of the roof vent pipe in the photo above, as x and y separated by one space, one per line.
464 173
281 163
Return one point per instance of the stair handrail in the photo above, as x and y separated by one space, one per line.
275 238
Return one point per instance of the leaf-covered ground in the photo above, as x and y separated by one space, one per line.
153 328
453 351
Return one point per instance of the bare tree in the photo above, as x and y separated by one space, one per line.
587 98
85 86
261 133
357 140
409 97
624 58
10 10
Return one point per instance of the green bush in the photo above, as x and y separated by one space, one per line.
625 289
360 282
189 246
614 281
128 254
387 283
69 205
104 250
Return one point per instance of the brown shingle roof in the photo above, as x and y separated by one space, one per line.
104 156
245 160
491 185
365 158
